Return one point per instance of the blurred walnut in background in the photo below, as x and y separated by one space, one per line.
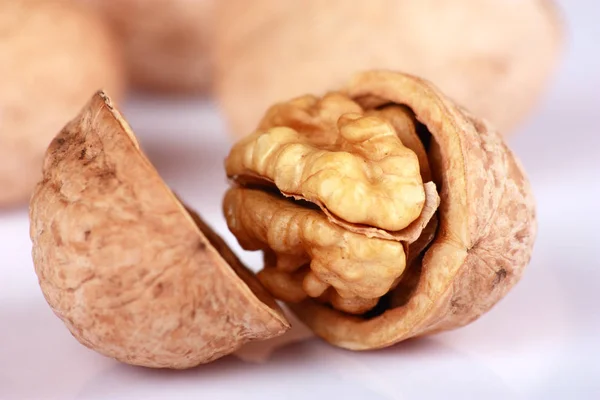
54 55
493 56
166 42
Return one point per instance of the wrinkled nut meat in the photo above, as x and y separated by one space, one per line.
131 272
355 176
384 210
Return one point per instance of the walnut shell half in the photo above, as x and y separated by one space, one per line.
457 263
132 274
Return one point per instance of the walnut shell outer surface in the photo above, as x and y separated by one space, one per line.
131 273
166 42
492 56
53 56
486 224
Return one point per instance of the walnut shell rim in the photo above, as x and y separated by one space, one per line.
129 271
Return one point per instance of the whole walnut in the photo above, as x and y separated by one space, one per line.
384 210
166 42
53 56
494 57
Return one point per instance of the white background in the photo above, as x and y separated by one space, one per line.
541 342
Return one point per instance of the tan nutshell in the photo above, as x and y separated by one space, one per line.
495 57
360 284
54 55
132 273
166 42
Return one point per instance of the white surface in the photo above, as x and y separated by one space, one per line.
540 342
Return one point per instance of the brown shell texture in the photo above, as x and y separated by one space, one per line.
495 57
477 246
166 42
129 271
53 56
